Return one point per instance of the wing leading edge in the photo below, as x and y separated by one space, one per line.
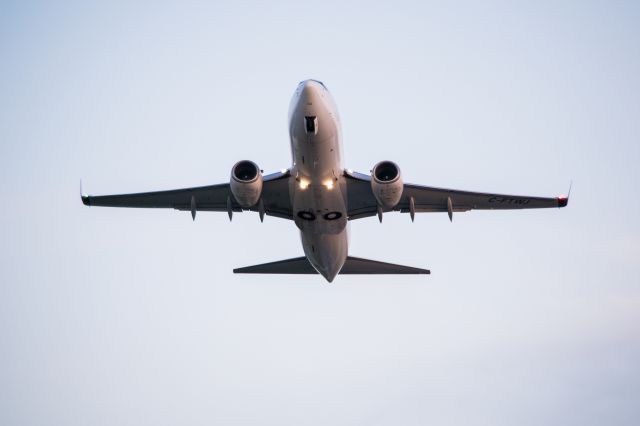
362 202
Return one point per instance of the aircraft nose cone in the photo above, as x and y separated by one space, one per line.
310 92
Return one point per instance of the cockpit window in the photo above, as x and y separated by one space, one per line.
311 124
316 81
321 84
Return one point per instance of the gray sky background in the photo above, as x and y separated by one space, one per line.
117 316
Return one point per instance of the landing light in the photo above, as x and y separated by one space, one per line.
304 183
328 183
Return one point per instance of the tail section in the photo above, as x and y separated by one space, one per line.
352 266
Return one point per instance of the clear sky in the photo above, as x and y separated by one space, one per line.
120 316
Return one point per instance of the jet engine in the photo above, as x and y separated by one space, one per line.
246 183
386 184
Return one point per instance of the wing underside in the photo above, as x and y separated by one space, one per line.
275 196
362 202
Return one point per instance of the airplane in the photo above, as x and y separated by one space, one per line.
320 195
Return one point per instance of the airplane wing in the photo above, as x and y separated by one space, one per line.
362 202
275 198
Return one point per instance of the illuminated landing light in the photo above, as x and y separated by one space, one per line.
328 183
304 183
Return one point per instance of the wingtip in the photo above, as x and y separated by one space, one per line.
86 200
563 200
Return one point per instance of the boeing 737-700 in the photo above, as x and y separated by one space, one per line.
320 195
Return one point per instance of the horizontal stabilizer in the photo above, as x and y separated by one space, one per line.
352 266
357 265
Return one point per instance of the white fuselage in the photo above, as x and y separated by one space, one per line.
318 192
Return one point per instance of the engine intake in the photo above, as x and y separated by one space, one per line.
386 184
246 183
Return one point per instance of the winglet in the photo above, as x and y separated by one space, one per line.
86 200
563 200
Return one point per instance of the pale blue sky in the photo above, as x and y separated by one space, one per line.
118 316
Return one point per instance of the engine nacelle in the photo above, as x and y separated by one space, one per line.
386 184
246 183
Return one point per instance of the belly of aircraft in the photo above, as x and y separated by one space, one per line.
319 207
